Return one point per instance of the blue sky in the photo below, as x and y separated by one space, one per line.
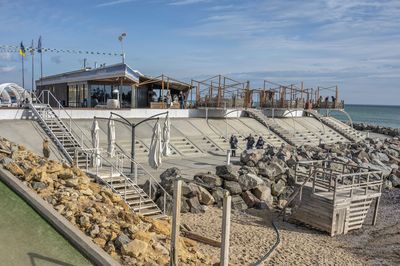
353 43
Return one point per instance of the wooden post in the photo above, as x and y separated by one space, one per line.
164 102
219 92
226 227
378 199
198 93
175 222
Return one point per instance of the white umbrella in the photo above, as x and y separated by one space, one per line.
96 143
111 138
155 154
166 137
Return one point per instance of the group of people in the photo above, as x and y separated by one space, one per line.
233 141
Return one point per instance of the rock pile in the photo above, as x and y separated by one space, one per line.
101 214
265 178
389 131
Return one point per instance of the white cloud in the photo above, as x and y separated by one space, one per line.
5 69
113 3
187 2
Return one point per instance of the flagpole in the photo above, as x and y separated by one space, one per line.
33 66
23 77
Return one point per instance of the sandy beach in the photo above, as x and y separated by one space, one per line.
252 235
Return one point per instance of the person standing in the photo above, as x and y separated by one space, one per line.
260 143
234 144
169 99
250 142
181 100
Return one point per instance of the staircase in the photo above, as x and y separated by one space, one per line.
356 214
271 125
59 133
109 172
342 128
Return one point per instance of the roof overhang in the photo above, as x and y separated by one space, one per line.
106 73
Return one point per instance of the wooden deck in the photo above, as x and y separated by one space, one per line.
337 201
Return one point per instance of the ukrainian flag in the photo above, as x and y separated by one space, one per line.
22 50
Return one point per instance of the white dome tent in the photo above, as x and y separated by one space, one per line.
12 95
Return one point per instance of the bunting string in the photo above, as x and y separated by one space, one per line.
15 49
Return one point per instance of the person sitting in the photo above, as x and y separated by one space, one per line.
260 143
233 141
250 142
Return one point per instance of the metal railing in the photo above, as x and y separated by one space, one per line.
344 179
46 96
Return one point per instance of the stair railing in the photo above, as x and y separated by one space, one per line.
128 182
46 96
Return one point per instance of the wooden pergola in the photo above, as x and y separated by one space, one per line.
220 91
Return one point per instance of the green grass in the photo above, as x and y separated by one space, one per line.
27 239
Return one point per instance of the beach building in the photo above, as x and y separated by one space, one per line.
113 86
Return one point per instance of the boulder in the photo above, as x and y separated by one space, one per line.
387 184
395 181
233 187
168 204
38 185
250 199
251 157
194 204
227 172
218 195
278 187
263 193
205 197
208 179
135 248
238 203
154 189
250 181
190 190
170 173
121 240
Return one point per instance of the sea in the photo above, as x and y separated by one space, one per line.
382 115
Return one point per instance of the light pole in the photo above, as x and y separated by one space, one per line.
121 39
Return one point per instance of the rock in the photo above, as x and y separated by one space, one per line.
205 197
190 190
278 187
278 167
250 199
395 181
362 155
160 249
245 169
194 204
66 174
168 204
208 179
38 185
121 240
227 172
100 242
95 231
184 205
233 187
238 203
14 169
135 248
218 195
170 173
73 182
251 157
387 184
6 160
250 181
382 157
154 189
263 193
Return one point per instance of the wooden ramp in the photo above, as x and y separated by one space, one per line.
336 201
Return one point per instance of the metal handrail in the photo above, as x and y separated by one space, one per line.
61 108
126 179
142 167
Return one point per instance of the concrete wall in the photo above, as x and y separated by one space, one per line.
19 113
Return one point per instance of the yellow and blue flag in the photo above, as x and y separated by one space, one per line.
22 50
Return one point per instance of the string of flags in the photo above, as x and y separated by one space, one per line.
22 50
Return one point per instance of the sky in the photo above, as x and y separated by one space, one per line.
354 44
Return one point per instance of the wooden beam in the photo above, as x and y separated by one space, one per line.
201 239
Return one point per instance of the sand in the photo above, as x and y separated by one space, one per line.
252 235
